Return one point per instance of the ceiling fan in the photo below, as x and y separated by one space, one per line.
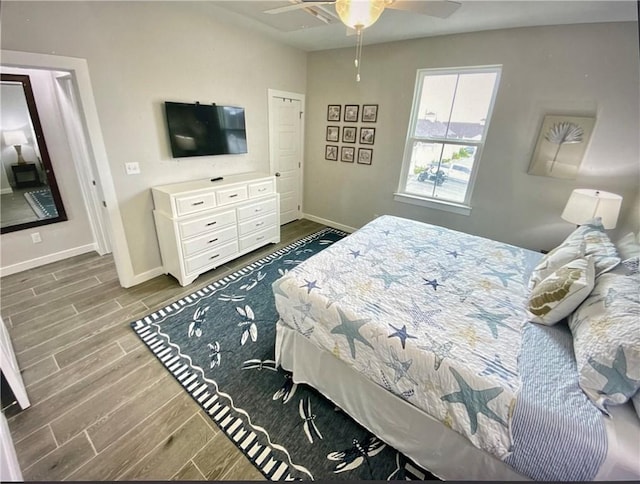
432 8
360 14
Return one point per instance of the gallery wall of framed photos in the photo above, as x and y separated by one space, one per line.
351 126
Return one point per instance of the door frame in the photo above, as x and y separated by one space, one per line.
111 219
277 95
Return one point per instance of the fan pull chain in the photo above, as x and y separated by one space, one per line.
358 51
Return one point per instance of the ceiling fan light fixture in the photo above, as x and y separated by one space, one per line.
359 14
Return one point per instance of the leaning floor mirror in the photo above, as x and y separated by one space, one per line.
29 195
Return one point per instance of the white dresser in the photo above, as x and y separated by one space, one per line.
203 224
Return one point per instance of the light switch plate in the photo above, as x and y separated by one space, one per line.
132 168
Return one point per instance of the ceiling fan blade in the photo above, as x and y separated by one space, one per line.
296 6
432 8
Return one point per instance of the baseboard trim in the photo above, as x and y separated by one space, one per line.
6 191
330 223
47 259
144 277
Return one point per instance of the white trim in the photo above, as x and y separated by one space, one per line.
6 191
444 205
276 94
66 98
330 223
146 276
86 101
9 465
47 259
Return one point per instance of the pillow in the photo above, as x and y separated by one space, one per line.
636 402
606 340
561 292
554 260
628 246
598 244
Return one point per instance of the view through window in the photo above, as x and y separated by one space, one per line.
447 130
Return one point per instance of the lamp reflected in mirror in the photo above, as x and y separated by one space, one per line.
29 195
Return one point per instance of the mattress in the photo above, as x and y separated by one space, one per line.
430 314
420 437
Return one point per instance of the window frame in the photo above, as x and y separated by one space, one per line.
464 207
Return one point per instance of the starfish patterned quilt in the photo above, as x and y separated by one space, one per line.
433 315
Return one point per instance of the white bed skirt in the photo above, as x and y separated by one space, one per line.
442 451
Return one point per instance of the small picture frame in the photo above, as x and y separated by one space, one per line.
351 113
367 136
333 112
365 155
331 153
333 133
347 154
369 113
349 134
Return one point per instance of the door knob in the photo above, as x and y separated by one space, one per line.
278 173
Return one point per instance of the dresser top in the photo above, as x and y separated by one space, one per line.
206 183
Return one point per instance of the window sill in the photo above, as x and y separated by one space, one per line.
452 207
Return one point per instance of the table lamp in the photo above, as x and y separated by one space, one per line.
16 139
585 204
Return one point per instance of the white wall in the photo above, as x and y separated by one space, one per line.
582 70
141 54
72 236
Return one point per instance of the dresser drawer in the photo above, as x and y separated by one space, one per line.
258 238
260 189
258 223
209 240
209 258
231 195
192 204
256 209
206 223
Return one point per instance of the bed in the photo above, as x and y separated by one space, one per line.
421 334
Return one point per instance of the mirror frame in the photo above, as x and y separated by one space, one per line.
44 155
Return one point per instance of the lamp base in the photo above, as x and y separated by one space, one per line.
21 160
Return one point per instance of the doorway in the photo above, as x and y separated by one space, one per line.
286 148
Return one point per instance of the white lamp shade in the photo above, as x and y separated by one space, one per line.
13 138
585 204
359 14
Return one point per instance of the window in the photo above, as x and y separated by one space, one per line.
447 130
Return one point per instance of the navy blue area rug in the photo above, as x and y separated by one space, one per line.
41 202
219 344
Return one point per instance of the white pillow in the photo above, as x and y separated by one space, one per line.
555 259
636 402
606 340
561 292
628 246
598 244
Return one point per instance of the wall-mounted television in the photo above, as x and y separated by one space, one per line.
205 129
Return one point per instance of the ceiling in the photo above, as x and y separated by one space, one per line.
302 30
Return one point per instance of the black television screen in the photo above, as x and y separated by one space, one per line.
205 129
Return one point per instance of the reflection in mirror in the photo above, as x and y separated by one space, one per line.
29 195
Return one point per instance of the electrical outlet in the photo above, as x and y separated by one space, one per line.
132 168
35 237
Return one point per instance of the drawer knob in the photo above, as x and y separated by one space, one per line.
258 210
211 223
259 224
260 238
261 189
214 256
201 202
212 241
234 195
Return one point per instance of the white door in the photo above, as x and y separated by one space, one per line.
286 148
